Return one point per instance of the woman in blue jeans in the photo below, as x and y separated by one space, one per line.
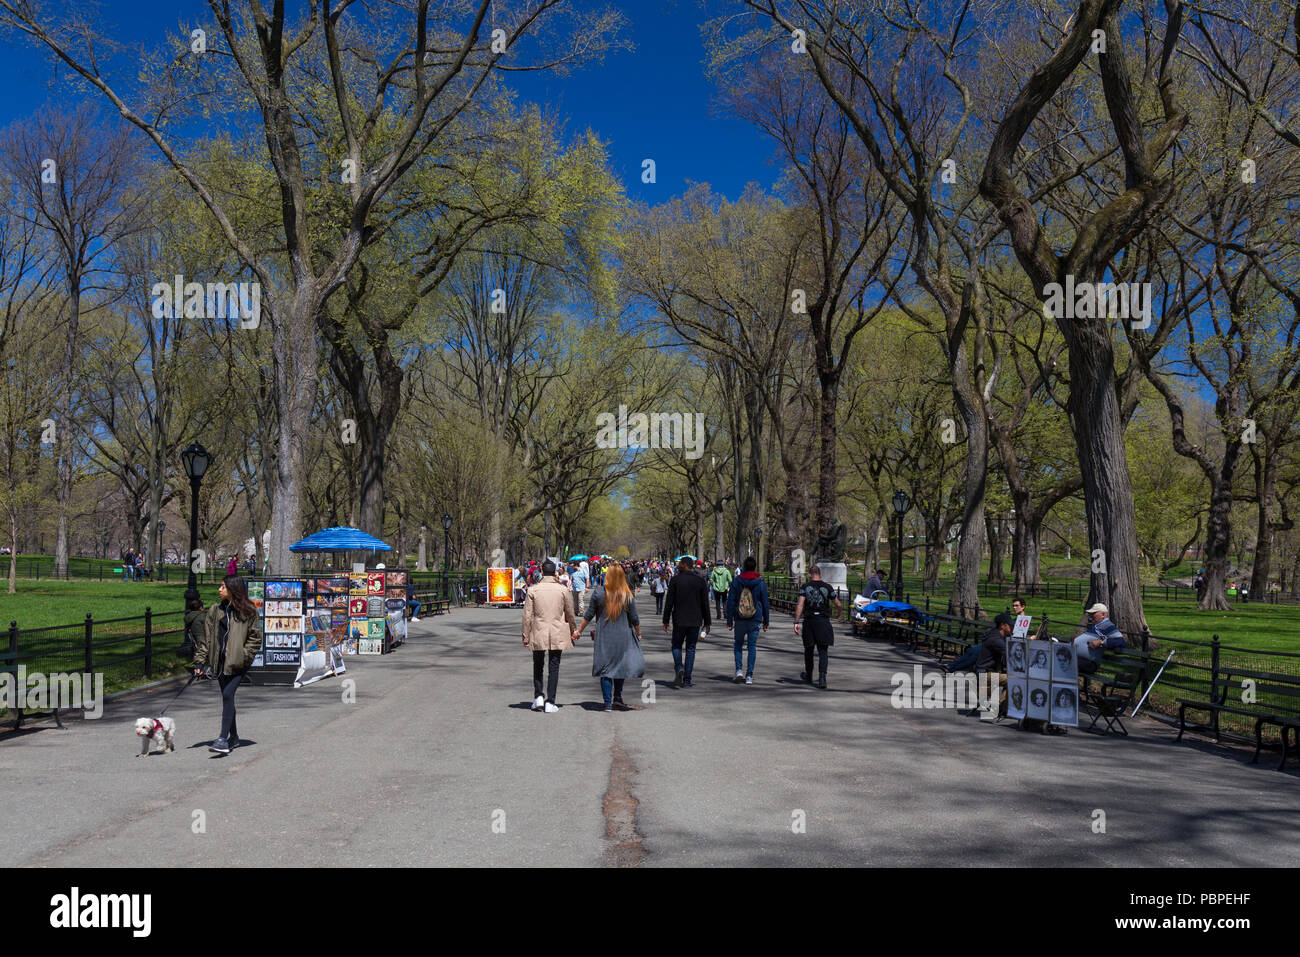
747 610
616 636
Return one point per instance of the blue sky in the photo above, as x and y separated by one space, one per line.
654 102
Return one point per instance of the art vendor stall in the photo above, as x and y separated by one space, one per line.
313 621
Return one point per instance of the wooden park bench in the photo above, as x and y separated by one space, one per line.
1285 714
949 633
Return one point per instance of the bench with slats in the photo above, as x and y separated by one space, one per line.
1228 696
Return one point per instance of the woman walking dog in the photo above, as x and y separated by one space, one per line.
230 639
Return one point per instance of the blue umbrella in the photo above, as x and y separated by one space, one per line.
680 557
578 558
340 539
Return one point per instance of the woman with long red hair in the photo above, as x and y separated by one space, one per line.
616 636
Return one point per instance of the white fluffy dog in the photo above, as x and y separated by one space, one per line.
155 731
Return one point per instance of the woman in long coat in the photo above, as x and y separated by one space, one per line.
617 637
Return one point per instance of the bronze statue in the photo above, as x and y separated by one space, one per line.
830 547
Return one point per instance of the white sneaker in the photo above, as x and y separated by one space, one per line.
740 676
550 708
413 620
539 702
749 679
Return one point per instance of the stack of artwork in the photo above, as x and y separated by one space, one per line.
1043 681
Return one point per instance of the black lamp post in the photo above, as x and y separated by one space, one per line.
158 559
105 555
758 547
196 461
901 504
446 551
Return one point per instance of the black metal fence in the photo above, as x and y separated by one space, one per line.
120 648
1063 590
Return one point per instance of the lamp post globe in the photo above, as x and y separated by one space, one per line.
196 460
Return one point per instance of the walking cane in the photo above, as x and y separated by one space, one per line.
1152 685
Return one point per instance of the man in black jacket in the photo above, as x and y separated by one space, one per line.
687 605
993 652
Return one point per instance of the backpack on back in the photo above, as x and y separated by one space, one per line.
745 607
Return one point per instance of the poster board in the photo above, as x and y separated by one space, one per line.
1065 685
281 607
1021 628
311 624
501 586
1043 681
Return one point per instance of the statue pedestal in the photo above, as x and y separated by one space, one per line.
836 574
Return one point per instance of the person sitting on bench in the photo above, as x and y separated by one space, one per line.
412 606
1101 635
997 636
991 650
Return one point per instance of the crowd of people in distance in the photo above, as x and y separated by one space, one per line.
562 599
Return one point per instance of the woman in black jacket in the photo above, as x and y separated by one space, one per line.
232 636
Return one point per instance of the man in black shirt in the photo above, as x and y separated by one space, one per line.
687 605
813 615
993 652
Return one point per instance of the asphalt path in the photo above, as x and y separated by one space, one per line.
440 761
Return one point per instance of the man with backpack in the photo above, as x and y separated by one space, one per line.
720 582
687 606
747 609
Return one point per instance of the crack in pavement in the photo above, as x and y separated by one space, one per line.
622 840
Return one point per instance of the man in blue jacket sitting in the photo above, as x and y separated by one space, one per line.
1101 635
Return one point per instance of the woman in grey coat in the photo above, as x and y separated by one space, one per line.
617 637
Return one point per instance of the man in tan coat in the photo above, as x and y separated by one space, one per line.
549 625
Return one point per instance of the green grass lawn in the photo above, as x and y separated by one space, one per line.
39 604
49 604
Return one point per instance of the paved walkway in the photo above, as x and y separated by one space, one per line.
440 762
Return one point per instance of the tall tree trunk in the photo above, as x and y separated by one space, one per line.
13 551
1218 535
718 547
873 544
374 421
995 527
1265 486
1094 411
934 546
63 437
826 464
294 359
1029 536
970 550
